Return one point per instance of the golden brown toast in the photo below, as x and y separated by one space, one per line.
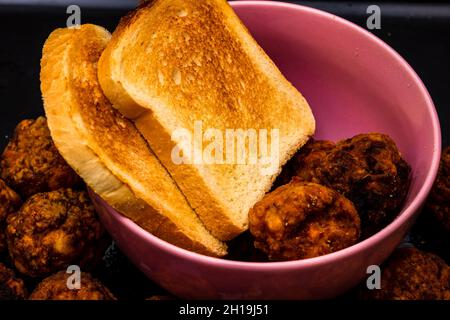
106 149
173 63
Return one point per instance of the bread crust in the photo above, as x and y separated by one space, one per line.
205 67
71 95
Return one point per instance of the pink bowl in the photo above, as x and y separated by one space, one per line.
355 83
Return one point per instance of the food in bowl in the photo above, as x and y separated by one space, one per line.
368 169
206 276
303 220
107 150
214 83
344 103
129 157
194 205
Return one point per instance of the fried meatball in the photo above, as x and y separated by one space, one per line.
53 230
9 202
305 162
367 169
410 274
11 288
31 163
438 203
303 220
56 287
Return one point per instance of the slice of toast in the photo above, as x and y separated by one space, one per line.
174 64
106 149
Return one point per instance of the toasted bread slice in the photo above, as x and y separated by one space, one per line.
106 149
173 63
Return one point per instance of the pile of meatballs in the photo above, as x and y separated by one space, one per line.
47 221
328 197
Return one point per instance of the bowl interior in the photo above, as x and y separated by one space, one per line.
354 82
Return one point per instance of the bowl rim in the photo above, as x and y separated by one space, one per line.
359 247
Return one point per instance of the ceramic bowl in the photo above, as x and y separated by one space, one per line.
355 83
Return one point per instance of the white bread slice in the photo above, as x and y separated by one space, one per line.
106 149
171 63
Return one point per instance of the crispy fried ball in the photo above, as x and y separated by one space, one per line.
438 203
303 220
56 287
367 169
31 163
9 203
11 288
410 274
53 230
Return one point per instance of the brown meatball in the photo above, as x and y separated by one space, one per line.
367 169
11 288
438 204
410 274
303 220
9 203
55 288
53 230
305 162
242 248
31 163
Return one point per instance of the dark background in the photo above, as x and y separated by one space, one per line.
420 32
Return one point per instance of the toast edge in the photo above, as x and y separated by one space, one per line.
84 161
